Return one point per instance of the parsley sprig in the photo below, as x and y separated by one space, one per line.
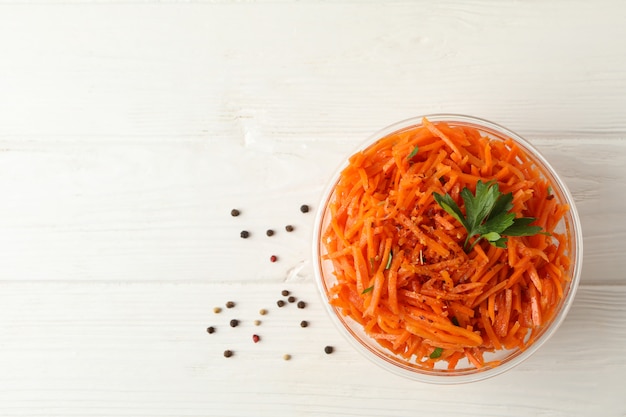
487 215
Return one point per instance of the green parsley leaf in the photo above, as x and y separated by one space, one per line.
498 223
499 243
479 207
413 152
504 204
522 227
487 215
368 289
450 206
436 353
492 236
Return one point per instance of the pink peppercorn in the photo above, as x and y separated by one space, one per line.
255 338
273 258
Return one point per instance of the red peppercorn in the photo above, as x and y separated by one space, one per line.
255 338
273 258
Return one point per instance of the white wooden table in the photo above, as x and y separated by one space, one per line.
130 129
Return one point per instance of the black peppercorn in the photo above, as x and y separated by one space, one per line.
289 228
284 293
235 212
228 353
304 323
230 304
301 304
304 208
269 232
210 329
291 299
280 303
329 350
244 234
234 323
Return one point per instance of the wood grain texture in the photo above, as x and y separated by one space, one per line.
161 211
130 129
320 70
142 350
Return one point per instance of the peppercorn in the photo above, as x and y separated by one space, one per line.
230 304
280 303
329 350
284 293
262 311
301 304
273 258
286 356
257 322
244 234
235 212
255 338
269 232
304 208
228 353
291 299
217 310
289 228
210 329
234 323
304 323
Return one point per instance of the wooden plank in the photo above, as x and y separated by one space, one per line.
96 349
318 69
161 212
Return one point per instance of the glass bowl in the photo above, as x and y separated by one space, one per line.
496 361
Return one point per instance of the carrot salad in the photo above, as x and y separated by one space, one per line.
399 259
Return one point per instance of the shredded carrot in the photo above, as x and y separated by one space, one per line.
398 257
